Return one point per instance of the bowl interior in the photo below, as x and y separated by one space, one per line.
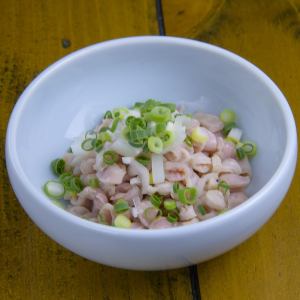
71 97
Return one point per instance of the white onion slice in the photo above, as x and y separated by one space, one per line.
180 135
127 160
158 172
123 148
135 180
135 168
235 134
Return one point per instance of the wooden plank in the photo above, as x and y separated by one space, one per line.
267 33
34 34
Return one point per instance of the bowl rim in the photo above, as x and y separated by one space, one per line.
286 162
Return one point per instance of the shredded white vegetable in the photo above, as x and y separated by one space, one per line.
158 172
123 148
135 168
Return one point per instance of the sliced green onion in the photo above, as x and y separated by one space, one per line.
155 144
170 106
88 144
75 184
120 112
148 106
146 148
90 134
121 206
136 144
201 210
176 187
198 136
108 115
156 200
240 153
122 221
143 160
138 104
54 189
129 120
110 157
98 145
223 186
188 141
104 136
159 114
170 204
103 129
168 138
70 150
58 166
137 134
134 123
114 125
160 127
94 183
228 127
65 177
249 148
71 183
172 217
187 195
228 116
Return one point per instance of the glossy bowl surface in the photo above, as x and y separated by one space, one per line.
71 95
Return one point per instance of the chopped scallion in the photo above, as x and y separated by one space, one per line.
159 114
249 148
172 217
114 125
110 157
228 127
223 186
201 210
54 189
143 160
156 200
121 206
94 183
169 204
108 115
167 138
58 166
228 116
88 144
155 144
188 141
240 153
122 221
176 187
187 195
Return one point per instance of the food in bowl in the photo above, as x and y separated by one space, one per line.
153 166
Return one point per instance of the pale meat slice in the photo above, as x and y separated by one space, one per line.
175 171
92 199
112 174
235 181
211 122
236 199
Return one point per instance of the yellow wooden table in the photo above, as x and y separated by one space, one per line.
35 33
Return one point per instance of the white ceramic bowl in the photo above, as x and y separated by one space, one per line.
72 94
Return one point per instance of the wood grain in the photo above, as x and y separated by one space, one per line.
267 33
35 33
